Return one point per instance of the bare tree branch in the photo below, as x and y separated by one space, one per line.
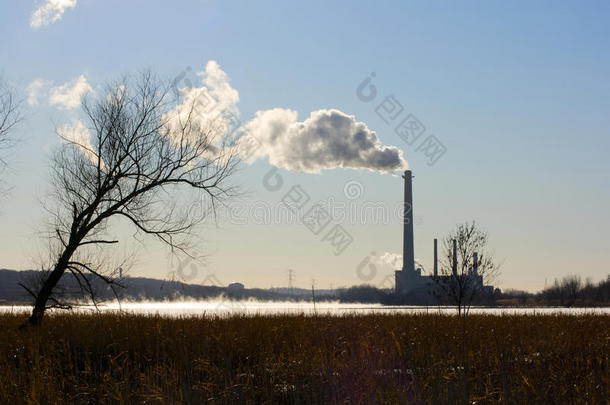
10 116
464 284
138 155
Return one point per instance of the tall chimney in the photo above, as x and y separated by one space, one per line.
455 266
475 265
435 258
408 256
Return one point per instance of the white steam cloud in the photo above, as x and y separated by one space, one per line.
328 139
393 260
49 12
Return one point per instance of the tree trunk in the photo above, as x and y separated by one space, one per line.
40 305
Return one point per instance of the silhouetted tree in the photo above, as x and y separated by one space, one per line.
571 286
570 291
140 148
362 293
10 116
462 287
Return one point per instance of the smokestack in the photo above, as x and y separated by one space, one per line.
475 265
455 257
408 256
435 258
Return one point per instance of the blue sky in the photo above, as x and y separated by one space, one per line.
517 92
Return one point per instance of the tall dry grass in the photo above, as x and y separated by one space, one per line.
110 358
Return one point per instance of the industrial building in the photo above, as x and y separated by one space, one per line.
409 279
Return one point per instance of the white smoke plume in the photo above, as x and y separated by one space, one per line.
393 260
328 139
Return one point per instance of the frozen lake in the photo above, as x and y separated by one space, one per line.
228 308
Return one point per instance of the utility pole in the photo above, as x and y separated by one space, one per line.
313 294
291 280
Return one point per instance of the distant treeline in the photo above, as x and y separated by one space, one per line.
370 294
131 289
568 292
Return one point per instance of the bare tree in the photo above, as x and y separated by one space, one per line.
461 281
571 291
10 116
572 286
139 151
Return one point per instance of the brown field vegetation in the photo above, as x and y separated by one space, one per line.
360 359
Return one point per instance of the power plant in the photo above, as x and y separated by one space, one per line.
409 279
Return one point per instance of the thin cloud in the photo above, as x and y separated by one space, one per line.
49 12
213 101
35 90
69 95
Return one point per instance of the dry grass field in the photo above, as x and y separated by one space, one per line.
288 359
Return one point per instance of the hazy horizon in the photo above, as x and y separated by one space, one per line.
517 94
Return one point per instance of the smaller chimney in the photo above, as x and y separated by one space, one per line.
435 258
475 265
455 266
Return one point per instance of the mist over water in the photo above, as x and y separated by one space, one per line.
226 308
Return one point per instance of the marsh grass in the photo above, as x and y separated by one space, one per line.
114 358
